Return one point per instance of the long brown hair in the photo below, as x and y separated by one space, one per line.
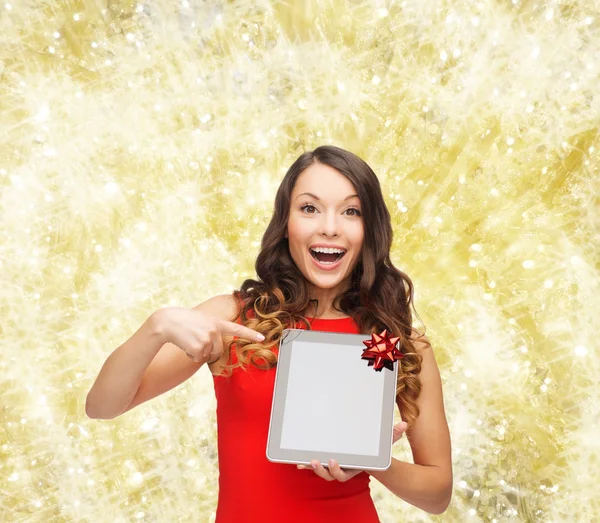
379 297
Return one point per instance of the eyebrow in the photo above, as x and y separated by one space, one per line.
317 198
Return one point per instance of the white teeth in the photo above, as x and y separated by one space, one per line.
327 250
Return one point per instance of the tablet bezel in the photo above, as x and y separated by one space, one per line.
276 454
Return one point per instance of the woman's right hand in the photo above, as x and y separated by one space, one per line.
199 334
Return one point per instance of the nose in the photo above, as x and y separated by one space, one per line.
329 224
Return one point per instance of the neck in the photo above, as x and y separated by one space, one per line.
323 313
325 298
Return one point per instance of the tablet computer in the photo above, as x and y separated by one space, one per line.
329 403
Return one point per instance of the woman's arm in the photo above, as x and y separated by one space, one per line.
426 487
122 372
427 483
145 366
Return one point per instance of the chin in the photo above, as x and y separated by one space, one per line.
325 286
325 282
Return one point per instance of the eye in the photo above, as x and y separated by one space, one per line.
307 205
357 212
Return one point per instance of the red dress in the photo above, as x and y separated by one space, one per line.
254 490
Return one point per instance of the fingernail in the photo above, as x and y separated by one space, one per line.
260 337
331 463
314 466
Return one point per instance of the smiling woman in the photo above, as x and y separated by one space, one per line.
325 264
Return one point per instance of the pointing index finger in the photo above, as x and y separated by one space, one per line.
235 329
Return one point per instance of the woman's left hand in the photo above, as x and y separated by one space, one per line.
334 472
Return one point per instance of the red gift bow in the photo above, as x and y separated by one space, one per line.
382 351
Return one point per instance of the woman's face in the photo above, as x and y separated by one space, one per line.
330 215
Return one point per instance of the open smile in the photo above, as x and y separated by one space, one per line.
327 261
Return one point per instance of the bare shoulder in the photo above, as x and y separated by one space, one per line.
419 340
224 307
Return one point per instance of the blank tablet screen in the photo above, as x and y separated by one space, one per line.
342 413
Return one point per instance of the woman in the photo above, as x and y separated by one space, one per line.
324 265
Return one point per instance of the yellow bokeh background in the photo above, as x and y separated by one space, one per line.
142 145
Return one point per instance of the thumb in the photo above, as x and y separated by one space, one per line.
399 430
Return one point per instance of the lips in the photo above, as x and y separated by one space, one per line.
327 266
339 256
